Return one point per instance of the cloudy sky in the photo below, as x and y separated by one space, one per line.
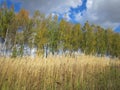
101 12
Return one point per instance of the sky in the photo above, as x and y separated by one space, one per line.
101 12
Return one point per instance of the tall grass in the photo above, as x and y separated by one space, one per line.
59 73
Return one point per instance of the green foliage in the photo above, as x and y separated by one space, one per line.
115 45
6 18
14 52
100 41
53 26
76 37
41 38
88 39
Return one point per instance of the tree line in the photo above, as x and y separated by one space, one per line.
50 35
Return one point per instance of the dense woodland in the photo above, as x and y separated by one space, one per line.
49 35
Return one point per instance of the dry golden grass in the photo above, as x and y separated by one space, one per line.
59 73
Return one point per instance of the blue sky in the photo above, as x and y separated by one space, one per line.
79 8
101 12
17 5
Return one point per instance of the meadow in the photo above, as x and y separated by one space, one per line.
60 73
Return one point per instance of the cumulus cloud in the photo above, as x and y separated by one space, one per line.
78 16
104 9
103 12
66 16
48 6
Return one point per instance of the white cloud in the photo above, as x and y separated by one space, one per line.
78 16
49 6
102 12
66 16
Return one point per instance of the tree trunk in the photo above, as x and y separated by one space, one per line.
14 44
4 44
46 49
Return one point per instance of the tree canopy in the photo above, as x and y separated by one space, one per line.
48 35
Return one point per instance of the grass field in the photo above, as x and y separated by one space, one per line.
59 73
